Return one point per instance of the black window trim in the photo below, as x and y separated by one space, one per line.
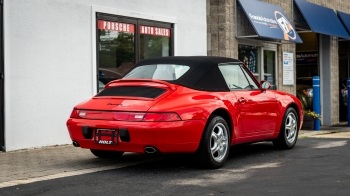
245 74
137 22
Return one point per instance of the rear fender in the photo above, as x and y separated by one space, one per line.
284 101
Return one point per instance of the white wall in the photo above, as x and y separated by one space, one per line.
49 58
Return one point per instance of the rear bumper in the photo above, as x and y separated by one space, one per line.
167 137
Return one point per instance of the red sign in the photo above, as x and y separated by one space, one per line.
154 31
116 26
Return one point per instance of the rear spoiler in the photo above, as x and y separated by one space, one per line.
116 82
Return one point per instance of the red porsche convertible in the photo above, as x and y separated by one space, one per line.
200 105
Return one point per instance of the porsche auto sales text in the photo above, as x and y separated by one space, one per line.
154 31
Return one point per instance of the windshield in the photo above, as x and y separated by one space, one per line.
158 72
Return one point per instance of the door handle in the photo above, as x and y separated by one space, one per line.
242 100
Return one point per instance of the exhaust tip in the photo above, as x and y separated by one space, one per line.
150 150
76 144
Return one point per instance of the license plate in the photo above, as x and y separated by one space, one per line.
106 136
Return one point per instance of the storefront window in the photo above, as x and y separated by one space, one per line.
121 42
116 46
154 42
249 56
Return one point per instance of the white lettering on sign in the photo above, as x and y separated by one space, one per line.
104 142
262 18
298 56
115 26
154 31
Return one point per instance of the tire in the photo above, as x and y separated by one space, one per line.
288 135
214 147
106 154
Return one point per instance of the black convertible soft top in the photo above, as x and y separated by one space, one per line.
204 73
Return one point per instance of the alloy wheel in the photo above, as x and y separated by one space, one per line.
219 142
291 127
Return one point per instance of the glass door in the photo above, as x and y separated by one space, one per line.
261 61
270 67
249 56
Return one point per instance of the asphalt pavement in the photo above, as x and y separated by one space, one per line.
58 162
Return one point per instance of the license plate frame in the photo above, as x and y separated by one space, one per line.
106 136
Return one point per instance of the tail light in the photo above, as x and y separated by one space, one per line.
161 117
74 114
125 116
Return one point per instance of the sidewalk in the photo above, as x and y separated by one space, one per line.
26 166
337 131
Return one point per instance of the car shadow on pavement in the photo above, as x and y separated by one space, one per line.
186 161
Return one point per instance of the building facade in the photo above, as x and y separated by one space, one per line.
324 50
59 53
56 53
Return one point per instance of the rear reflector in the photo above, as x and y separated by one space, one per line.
125 116
161 117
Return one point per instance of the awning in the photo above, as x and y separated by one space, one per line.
345 19
321 19
268 21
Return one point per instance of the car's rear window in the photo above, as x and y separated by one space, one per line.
132 91
158 71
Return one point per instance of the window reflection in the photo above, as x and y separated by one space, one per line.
116 49
154 42
120 46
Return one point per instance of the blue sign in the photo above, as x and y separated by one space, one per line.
322 19
269 20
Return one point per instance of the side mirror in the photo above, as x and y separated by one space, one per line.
265 85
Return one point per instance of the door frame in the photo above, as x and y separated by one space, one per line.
262 46
2 90
274 49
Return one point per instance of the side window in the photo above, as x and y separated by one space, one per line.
252 83
236 77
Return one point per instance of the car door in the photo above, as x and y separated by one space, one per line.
257 108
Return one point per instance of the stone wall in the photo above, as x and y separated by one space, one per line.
221 28
222 39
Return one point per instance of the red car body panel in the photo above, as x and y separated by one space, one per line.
253 115
194 108
285 100
167 137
